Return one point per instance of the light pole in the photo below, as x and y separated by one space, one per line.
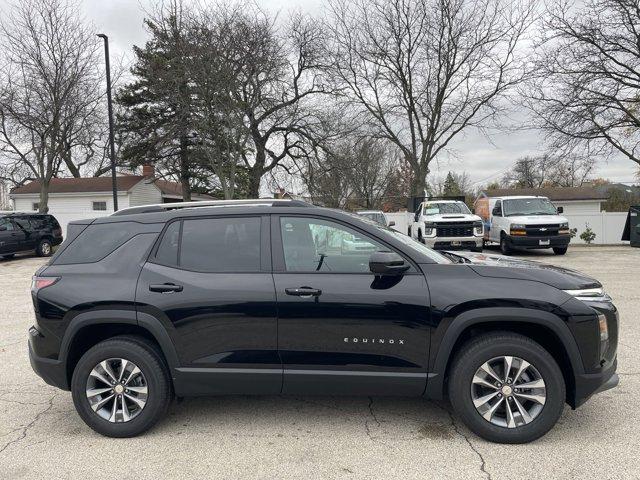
110 107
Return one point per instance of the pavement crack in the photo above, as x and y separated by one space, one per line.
373 415
483 463
25 429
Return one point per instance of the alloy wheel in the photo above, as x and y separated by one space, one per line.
508 391
117 390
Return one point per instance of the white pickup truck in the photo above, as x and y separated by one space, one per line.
523 222
447 225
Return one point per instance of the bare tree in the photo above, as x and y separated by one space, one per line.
550 171
423 71
48 91
370 164
586 91
277 72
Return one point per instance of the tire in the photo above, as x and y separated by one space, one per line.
490 348
477 249
44 248
560 250
504 245
153 375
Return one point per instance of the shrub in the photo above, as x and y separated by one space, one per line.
588 235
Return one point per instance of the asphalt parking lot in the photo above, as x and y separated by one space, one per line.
316 437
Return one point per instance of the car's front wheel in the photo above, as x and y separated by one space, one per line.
506 388
121 387
559 250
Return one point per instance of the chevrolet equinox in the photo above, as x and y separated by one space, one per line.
282 297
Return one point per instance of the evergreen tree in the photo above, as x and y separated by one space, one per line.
158 119
451 187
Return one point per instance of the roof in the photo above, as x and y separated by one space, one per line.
554 194
124 183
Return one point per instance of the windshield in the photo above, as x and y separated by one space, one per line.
528 206
440 208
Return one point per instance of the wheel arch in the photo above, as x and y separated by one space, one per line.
545 328
90 328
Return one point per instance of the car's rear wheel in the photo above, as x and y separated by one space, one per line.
121 387
44 248
559 250
506 388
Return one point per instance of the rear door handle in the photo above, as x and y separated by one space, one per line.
303 292
165 288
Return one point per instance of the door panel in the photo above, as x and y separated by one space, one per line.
222 323
10 236
356 333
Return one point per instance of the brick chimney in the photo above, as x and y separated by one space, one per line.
148 170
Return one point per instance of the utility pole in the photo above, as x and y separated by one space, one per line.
110 107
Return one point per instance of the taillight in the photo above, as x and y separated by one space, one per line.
38 283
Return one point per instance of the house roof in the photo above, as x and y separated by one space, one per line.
556 193
124 183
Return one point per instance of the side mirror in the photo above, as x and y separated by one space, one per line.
387 263
416 216
392 223
560 209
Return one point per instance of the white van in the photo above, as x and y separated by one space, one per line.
523 222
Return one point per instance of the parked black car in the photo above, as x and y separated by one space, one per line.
271 297
24 232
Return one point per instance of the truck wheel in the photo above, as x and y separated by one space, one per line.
559 250
506 388
121 387
504 245
44 248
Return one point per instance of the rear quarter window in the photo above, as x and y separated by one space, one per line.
97 241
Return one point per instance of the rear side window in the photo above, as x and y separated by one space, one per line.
168 249
97 241
220 244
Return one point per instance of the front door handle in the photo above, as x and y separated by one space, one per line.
303 292
165 288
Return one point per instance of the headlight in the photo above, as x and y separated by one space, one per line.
564 229
518 229
429 229
478 229
589 295
564 225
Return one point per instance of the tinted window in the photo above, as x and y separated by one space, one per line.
5 224
221 244
167 253
23 223
97 241
311 244
38 223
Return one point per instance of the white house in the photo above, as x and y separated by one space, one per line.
573 200
77 198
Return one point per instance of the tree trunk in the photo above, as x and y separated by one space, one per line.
255 175
43 206
184 170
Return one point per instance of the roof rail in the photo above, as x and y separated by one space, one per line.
163 207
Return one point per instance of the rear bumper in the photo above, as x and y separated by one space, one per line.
534 242
51 371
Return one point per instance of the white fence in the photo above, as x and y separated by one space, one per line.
607 226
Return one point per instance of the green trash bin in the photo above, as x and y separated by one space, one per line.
631 231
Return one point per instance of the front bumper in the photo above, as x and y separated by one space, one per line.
517 241
589 384
453 243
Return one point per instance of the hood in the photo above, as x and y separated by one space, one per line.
537 219
452 217
500 266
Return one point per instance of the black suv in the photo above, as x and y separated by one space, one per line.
24 232
281 297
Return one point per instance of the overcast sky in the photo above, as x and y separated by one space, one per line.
481 158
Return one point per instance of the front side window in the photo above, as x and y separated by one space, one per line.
221 244
314 245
